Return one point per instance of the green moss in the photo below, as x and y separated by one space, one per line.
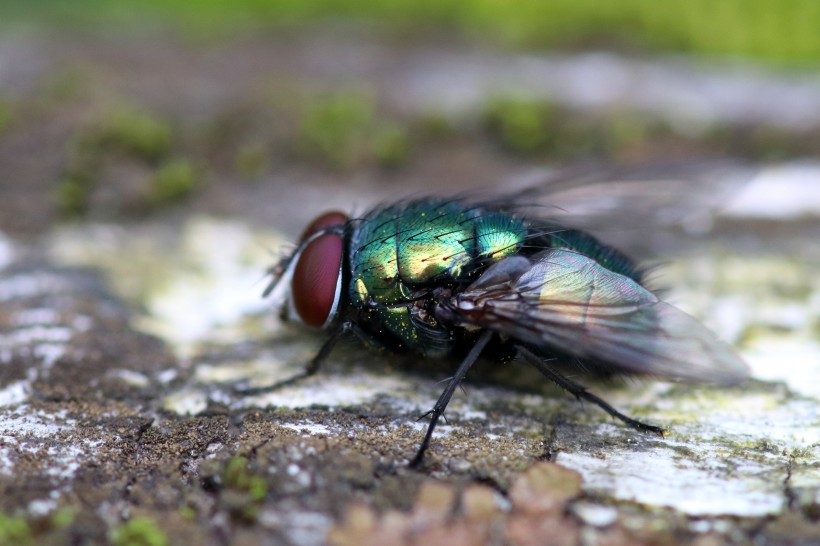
188 513
802 455
135 134
342 131
238 475
140 138
139 531
243 490
535 127
72 196
15 530
391 145
139 134
19 531
62 517
334 129
521 125
172 182
434 125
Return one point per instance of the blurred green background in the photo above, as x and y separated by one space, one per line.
114 109
783 31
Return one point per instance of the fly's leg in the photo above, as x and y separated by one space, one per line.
580 392
311 368
444 399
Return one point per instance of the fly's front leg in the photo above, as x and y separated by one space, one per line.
444 399
311 368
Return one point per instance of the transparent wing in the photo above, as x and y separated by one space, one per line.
634 209
565 301
664 194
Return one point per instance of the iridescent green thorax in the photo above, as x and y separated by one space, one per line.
398 250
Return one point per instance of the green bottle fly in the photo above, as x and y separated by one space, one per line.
453 277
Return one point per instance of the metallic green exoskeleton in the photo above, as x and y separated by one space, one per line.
453 277
401 252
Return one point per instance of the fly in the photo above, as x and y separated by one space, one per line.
458 278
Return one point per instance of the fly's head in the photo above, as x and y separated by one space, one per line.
307 284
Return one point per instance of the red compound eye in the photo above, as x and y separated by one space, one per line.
330 218
315 284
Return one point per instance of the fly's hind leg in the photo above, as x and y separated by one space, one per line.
580 392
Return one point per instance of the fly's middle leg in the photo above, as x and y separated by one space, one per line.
444 399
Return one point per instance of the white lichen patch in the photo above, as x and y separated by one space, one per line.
14 393
130 377
725 455
46 443
789 425
780 192
42 507
23 421
7 252
186 401
199 282
308 427
37 335
32 284
596 515
24 430
166 376
34 332
791 359
288 359
64 460
697 487
330 391
301 527
326 389
8 453
420 427
767 304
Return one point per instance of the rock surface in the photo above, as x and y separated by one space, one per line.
121 339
